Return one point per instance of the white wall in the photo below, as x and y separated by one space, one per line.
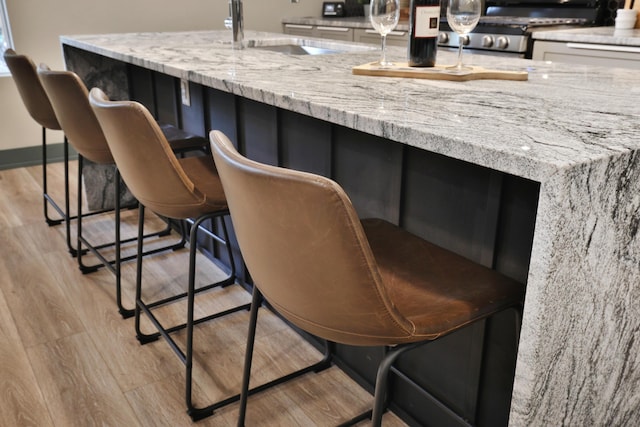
36 26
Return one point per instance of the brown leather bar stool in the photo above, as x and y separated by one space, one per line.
363 283
187 188
69 98
23 71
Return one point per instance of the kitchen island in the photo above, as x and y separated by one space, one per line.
538 179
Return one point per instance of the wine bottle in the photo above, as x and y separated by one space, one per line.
424 22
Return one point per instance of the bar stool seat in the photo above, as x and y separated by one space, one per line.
356 282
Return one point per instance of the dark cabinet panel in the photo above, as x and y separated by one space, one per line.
518 212
452 203
142 88
305 143
221 113
257 131
167 99
193 119
369 168
158 93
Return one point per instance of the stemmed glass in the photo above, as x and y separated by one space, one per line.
384 18
462 16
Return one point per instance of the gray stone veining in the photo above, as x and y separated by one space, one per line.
572 128
506 135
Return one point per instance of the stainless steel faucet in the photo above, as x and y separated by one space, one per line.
235 22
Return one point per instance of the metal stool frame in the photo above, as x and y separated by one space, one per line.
186 356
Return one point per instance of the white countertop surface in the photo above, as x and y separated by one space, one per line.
562 116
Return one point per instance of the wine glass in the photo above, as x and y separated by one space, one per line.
462 16
384 17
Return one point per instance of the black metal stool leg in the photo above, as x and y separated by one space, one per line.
48 200
79 250
45 193
382 380
200 413
143 338
67 216
188 361
256 301
124 312
79 238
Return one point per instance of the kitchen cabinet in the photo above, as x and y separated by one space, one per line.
335 33
588 53
322 31
394 38
604 46
346 29
299 30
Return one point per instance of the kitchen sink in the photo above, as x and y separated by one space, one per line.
294 49
296 46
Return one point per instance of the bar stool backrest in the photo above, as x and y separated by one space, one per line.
145 159
70 100
306 250
24 74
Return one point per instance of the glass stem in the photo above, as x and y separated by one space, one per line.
459 65
383 60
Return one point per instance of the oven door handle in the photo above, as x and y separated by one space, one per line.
605 47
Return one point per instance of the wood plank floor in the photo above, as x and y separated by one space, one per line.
67 358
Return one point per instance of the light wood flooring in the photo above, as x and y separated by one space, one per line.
67 358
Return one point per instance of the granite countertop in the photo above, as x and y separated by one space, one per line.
595 35
528 129
349 22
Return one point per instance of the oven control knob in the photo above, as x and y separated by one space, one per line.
464 40
487 41
443 38
502 42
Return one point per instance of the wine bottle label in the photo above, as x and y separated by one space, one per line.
427 21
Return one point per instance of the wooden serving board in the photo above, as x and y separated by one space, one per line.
439 72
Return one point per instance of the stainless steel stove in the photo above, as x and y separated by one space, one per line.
506 25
